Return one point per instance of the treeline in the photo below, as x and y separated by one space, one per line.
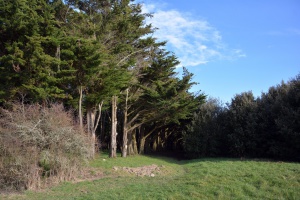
97 57
80 75
263 127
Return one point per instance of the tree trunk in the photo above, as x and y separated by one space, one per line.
157 143
132 144
113 139
142 145
91 129
92 124
125 129
129 143
80 108
142 140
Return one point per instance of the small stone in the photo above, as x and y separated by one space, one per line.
115 168
152 175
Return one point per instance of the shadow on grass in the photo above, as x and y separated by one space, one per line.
176 159
168 157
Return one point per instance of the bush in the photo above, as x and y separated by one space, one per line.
39 146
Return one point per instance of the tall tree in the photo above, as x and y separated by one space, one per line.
165 98
28 51
242 124
117 27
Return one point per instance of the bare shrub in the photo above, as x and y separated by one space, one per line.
39 146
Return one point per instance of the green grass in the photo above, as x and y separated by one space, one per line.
195 179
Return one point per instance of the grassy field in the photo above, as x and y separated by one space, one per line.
194 179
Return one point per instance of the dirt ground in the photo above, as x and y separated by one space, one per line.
150 170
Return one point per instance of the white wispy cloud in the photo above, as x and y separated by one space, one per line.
193 40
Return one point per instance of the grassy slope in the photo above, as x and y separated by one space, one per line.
196 179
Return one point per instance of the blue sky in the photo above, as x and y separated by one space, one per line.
231 46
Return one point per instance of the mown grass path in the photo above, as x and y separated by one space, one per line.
194 179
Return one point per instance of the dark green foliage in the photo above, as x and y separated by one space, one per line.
241 125
279 116
201 137
166 97
266 127
83 52
28 46
166 102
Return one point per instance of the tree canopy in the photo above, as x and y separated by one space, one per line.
84 53
262 127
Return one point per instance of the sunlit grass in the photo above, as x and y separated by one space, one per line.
195 179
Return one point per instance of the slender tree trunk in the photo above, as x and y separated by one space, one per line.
157 142
142 140
80 108
134 143
129 143
92 124
113 139
91 127
142 145
125 128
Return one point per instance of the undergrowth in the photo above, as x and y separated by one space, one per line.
39 146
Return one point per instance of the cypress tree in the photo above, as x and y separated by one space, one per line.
28 47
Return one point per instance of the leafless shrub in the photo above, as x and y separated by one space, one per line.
38 146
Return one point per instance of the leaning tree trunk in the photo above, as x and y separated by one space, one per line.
113 139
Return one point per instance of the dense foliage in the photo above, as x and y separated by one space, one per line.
99 58
263 127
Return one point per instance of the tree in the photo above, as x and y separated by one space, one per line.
201 139
279 124
28 51
242 125
165 98
115 29
264 127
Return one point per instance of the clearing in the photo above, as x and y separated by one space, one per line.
147 177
